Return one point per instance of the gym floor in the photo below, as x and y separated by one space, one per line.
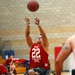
66 73
63 73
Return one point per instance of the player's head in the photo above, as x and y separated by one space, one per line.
11 57
39 39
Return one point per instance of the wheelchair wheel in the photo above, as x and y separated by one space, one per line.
48 72
26 73
53 72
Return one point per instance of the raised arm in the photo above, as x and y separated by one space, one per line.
64 53
44 37
27 33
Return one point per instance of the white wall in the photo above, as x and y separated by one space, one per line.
69 63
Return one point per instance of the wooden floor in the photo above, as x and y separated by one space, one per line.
63 73
66 73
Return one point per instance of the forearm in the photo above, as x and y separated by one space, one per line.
41 31
11 62
27 35
58 68
44 37
27 31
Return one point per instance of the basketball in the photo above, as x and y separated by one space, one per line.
33 5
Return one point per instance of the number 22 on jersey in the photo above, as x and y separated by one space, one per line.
36 53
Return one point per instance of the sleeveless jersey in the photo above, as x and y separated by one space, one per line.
38 57
7 62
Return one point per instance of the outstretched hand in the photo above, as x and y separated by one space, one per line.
37 21
27 20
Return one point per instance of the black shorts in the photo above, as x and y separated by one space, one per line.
41 71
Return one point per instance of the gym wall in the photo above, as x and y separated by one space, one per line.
57 19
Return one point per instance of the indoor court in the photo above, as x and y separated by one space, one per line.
64 73
23 22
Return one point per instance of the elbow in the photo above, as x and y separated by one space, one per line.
58 62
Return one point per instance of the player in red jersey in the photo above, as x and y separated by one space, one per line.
38 51
9 63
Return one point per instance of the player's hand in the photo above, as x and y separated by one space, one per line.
27 20
37 21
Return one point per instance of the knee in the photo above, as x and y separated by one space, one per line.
31 72
57 61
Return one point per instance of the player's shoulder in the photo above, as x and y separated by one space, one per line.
71 38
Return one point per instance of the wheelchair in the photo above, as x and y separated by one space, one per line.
26 64
48 72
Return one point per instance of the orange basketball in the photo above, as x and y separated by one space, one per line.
33 5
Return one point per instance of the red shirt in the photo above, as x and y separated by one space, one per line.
3 70
7 62
38 57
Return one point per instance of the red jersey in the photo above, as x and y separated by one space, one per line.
7 62
38 57
3 70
